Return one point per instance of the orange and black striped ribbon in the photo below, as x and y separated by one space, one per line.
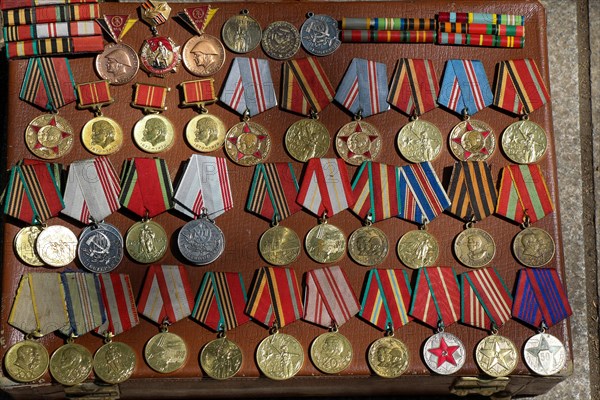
48 83
472 190
414 88
54 46
305 86
273 191
146 187
59 13
520 87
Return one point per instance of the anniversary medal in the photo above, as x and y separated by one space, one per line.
203 193
249 91
414 90
520 89
473 195
325 190
159 55
363 92
275 302
486 304
220 306
147 192
118 63
280 40
466 90
272 196
166 298
306 90
241 33
330 302
388 357
541 301
436 302
319 35
153 133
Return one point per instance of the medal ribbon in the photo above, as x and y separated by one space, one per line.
275 297
273 192
198 92
59 13
94 94
9 4
325 187
520 87
84 302
204 185
116 25
54 46
48 83
436 297
364 88
540 297
414 88
389 24
51 30
422 197
486 301
472 191
375 190
465 87
156 13
150 97
481 18
305 86
92 190
198 17
482 29
221 301
249 86
166 294
146 186
386 299
523 192
328 298
119 303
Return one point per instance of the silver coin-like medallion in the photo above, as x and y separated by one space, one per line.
544 354
320 35
444 353
100 248
201 241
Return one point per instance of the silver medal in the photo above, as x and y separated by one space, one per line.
100 248
544 354
444 353
319 35
200 241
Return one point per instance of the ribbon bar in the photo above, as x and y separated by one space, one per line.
9 4
376 192
84 302
436 297
472 190
363 89
414 88
520 87
119 303
51 30
59 13
55 46
468 39
465 87
389 24
422 197
481 18
94 94
198 92
364 36
273 192
485 298
305 87
151 97
482 29
386 299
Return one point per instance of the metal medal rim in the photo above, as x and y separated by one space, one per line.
429 344
163 234
332 22
266 45
186 50
66 125
118 240
94 149
510 344
169 137
104 348
229 21
408 126
213 228
355 258
324 336
455 147
505 145
413 233
130 51
358 159
288 139
230 147
62 348
14 347
288 338
286 229
310 234
190 133
33 248
47 232
534 367
155 338
211 343
465 233
400 344
522 233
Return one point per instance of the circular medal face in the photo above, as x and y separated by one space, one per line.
325 243
26 361
279 356
418 249
56 245
24 245
544 354
100 249
102 136
368 246
203 55
118 63
306 139
533 247
331 352
247 143
241 33
279 245
388 357
444 353
165 352
524 142
201 241
280 40
205 133
154 133
319 35
160 55
114 362
474 247
419 141
358 141
496 356
71 364
146 242
49 136
472 140
221 359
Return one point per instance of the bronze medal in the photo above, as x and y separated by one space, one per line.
247 143
154 133
325 243
102 136
114 362
26 361
331 352
221 358
203 55
71 364
388 357
118 63
280 40
533 247
418 249
474 247
496 356
306 139
358 141
279 245
368 246
241 33
419 141
146 242
49 136
205 133
279 356
524 142
472 140
165 352
24 244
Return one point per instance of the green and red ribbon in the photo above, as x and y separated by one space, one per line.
436 297
386 299
48 83
520 88
472 191
305 87
273 191
485 299
376 191
146 187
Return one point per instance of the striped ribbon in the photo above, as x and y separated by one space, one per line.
364 88
116 25
39 305
55 168
422 197
166 294
325 187
94 94
146 186
156 12
465 87
198 92
472 190
273 192
386 298
414 88
329 300
9 4
481 18
84 302
55 46
152 97
482 29
92 190
485 298
48 83
540 297
389 24
58 13
305 87
523 192
436 297
51 30
275 297
204 185
221 301
198 17
468 39
376 192
119 303
249 87
363 36
520 87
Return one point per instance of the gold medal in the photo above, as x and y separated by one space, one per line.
165 352
247 143
49 136
496 356
26 361
241 33
419 141
146 242
533 247
154 133
474 247
71 364
221 358
24 244
114 362
279 245
56 246
368 246
205 133
325 243
306 139
418 249
472 140
331 352
524 142
358 141
102 136
388 357
279 356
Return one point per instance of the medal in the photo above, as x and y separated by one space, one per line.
56 245
418 249
474 247
26 361
153 133
24 245
307 138
241 33
444 353
146 242
388 357
533 247
100 248
280 40
114 362
118 63
368 245
325 243
201 241
544 354
221 358
71 364
159 55
319 35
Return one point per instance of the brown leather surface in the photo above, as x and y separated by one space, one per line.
242 229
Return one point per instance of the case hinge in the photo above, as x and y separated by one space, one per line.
466 385
92 391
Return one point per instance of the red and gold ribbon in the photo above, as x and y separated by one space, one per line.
94 94
414 88
58 13
472 190
363 36
485 298
273 191
386 299
198 92
55 46
150 97
10 4
305 87
436 297
482 29
376 191
119 303
469 39
520 87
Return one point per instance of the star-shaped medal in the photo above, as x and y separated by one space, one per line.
357 142
49 136
544 347
247 143
444 353
496 355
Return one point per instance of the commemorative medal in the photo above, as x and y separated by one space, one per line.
280 40
444 353
368 245
418 249
71 364
24 245
241 33
533 247
419 141
26 361
472 140
544 354
100 248
118 63
200 241
146 242
114 362
358 141
388 357
159 55
221 358
496 355
56 246
319 35
279 245
325 243
474 247
153 133
331 352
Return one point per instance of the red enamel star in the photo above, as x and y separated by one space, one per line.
358 129
38 128
470 128
444 353
246 130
